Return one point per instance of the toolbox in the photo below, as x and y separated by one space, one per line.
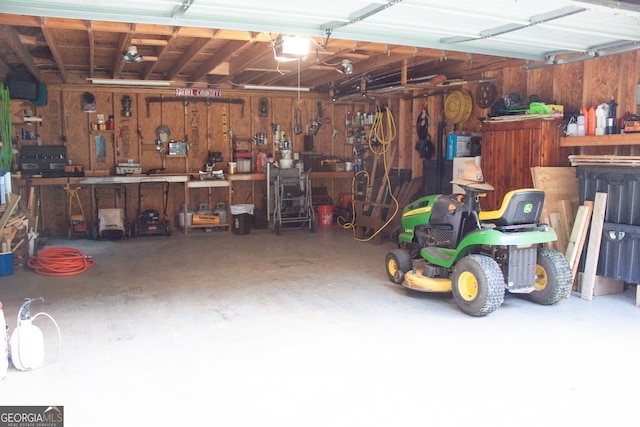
49 161
128 168
632 124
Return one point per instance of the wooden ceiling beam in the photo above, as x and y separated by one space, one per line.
5 70
162 51
12 38
222 55
92 47
55 51
194 49
125 39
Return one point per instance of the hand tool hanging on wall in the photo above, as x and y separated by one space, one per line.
193 99
424 145
297 128
195 132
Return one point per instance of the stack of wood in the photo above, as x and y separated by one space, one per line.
561 196
14 233
561 200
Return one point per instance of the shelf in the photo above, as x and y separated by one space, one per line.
32 119
601 140
224 225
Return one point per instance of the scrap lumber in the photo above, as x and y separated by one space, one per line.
578 237
566 210
558 224
6 216
593 246
560 186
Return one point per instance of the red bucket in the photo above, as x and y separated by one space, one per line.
325 215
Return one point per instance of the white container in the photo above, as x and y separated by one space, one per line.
4 349
243 165
181 219
286 163
286 154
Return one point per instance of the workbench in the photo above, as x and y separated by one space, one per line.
188 181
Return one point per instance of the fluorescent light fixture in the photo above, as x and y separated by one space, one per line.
281 88
129 82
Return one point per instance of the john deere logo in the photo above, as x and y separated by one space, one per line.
528 208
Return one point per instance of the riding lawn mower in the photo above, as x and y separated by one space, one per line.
479 255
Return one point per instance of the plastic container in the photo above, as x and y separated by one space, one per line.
620 244
241 224
622 185
242 218
4 349
6 264
181 219
325 215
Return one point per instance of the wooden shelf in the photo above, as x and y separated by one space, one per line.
601 140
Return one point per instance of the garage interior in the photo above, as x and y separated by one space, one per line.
210 323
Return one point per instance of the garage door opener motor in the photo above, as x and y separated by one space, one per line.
27 340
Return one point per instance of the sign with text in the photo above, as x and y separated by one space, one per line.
198 92
31 416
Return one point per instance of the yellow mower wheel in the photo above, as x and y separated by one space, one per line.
477 284
468 286
398 262
553 278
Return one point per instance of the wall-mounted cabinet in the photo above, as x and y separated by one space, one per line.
511 149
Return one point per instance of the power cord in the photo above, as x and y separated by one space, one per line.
384 136
60 261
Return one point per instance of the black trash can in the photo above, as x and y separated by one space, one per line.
241 224
241 215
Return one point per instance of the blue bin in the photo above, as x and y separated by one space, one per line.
6 264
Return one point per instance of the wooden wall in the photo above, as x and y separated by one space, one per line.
203 124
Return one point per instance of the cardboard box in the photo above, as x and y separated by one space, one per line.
458 145
602 285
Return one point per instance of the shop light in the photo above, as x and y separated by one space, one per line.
280 88
129 82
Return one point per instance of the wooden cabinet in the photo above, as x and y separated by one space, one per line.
511 149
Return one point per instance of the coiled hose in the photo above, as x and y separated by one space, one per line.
60 261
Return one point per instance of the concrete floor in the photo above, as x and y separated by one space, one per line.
305 330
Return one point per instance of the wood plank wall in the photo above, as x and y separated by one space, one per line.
573 85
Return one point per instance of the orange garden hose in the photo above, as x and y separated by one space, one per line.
60 261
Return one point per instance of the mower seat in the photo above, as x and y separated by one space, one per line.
522 206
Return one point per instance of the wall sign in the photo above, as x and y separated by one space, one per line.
198 92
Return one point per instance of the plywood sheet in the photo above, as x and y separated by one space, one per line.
558 184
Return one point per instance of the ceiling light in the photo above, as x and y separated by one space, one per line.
291 48
347 66
131 55
128 82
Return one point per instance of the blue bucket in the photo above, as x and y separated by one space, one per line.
6 264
